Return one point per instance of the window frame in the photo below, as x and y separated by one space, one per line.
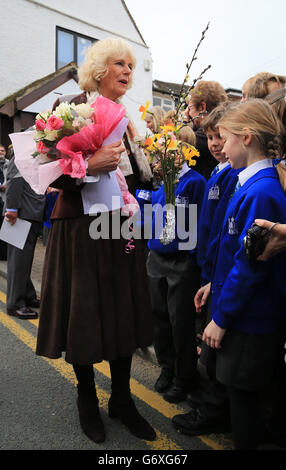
75 47
167 107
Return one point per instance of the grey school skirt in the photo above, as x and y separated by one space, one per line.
94 302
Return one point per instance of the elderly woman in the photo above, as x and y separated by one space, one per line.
94 304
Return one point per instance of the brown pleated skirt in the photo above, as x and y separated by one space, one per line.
94 303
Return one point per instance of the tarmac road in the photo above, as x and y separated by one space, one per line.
38 400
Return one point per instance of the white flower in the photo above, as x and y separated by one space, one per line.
45 116
51 135
63 109
84 110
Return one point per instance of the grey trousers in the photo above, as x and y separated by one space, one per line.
20 288
173 282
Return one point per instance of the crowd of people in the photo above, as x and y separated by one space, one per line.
94 303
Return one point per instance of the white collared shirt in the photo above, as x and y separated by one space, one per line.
184 170
251 170
221 166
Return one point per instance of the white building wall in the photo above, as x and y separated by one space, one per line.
28 42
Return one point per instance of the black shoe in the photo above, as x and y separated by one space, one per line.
175 394
195 398
33 303
128 414
164 381
194 424
24 313
89 416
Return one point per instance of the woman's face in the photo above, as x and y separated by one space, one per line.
115 83
193 113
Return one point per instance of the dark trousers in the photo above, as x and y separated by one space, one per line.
173 282
20 288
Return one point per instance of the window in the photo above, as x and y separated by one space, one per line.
70 47
165 103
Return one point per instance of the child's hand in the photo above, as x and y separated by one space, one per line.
201 297
213 335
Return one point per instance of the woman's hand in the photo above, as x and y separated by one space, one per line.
213 335
201 297
277 240
106 158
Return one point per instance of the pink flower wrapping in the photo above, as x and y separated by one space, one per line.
74 149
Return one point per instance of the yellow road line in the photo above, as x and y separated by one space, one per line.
66 370
148 396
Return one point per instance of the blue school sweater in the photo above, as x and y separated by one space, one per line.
189 190
217 193
250 296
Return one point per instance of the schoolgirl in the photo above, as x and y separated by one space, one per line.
248 297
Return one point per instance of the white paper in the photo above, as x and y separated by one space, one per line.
105 193
15 234
38 175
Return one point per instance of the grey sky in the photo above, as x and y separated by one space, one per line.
244 37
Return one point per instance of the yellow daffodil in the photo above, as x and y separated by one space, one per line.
189 153
173 144
169 128
143 109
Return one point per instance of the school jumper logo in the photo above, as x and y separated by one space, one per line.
214 192
232 227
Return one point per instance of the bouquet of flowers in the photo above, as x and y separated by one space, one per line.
64 139
169 151
72 133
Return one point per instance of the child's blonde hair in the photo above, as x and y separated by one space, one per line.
169 117
187 135
258 118
156 113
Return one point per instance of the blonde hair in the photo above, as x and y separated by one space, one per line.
212 93
187 135
95 66
260 120
156 113
169 117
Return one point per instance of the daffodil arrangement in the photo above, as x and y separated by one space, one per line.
169 152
